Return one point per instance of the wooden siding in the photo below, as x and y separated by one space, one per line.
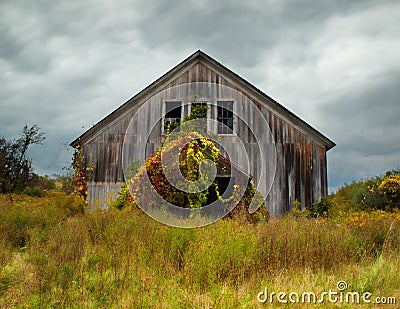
301 161
101 193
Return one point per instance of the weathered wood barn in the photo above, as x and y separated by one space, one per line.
300 170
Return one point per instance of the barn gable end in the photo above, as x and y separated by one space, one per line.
301 172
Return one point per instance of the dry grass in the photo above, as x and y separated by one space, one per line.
52 255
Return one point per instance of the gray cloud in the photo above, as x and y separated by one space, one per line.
241 32
66 65
366 130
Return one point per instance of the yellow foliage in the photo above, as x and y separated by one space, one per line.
390 186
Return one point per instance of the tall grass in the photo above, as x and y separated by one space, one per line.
53 255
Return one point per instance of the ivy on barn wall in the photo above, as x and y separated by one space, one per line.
195 149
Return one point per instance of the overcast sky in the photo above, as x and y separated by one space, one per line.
65 65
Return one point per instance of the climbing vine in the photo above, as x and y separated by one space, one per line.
195 149
81 171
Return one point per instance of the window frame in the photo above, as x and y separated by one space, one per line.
234 120
164 113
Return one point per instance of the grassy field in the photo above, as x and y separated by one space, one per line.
53 254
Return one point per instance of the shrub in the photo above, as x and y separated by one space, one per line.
68 204
321 208
376 193
20 214
124 199
390 188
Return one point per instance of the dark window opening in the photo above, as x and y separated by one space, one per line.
172 118
225 117
225 189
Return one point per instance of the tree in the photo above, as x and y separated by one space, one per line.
15 166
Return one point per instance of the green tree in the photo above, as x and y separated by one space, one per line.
15 167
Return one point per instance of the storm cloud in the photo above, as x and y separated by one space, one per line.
66 65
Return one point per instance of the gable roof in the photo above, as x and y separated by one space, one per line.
249 90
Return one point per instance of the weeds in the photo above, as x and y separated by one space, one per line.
52 254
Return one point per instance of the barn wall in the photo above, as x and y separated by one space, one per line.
301 163
100 194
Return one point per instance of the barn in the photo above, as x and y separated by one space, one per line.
284 155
